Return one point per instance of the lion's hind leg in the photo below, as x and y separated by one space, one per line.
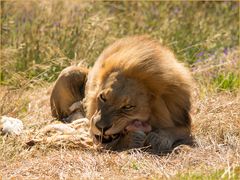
67 94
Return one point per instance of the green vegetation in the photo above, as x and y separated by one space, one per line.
39 39
228 81
220 174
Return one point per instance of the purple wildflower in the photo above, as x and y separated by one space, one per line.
200 54
225 51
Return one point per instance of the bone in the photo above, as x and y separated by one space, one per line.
75 106
63 128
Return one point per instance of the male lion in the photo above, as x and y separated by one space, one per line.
135 95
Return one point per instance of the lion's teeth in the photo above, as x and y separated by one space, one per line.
106 137
114 136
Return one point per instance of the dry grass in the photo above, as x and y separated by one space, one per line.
216 129
40 38
216 124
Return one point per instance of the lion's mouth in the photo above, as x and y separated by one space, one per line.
137 125
134 125
104 139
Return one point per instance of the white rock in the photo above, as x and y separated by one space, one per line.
11 125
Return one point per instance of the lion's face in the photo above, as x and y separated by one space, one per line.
120 101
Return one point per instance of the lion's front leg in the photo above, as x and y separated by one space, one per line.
164 140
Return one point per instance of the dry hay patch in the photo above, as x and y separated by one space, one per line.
70 154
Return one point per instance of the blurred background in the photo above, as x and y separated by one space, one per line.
40 38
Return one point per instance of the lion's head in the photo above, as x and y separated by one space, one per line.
136 85
122 104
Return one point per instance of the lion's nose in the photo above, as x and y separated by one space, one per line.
102 126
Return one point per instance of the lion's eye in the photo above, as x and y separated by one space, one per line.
128 107
102 98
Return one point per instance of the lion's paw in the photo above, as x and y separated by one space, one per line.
158 142
136 139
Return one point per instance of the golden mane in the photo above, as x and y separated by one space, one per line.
146 62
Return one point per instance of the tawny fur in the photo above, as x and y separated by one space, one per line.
68 89
163 88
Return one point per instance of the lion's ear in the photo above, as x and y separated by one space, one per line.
68 89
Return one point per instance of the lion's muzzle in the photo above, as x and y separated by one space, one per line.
101 122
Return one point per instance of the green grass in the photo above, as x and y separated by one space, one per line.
229 81
39 39
233 174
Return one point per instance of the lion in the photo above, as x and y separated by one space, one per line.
137 95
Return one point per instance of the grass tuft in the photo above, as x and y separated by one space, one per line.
229 81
